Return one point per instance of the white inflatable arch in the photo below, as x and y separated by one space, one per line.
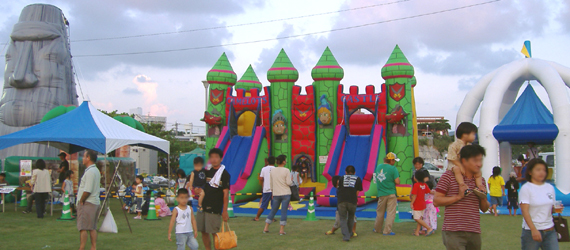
496 93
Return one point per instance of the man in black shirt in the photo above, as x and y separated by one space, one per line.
347 190
63 167
216 196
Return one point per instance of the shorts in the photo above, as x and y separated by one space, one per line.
513 203
87 216
265 199
418 214
337 220
208 222
496 201
139 204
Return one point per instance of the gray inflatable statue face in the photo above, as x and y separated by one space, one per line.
38 75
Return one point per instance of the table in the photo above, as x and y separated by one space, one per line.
6 190
28 189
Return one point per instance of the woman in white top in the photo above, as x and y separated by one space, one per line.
537 200
280 182
41 186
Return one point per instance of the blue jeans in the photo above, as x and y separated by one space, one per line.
284 201
549 240
184 239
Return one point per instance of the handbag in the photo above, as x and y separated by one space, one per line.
561 226
295 193
225 239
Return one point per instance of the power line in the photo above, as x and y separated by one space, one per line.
290 36
239 25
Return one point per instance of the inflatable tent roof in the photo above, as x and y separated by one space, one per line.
81 128
528 120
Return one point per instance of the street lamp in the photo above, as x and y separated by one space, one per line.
206 84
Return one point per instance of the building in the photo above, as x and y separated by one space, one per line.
427 121
193 133
137 112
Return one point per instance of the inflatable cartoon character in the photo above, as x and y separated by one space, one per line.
324 112
279 126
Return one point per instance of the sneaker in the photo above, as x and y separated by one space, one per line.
390 234
25 211
137 218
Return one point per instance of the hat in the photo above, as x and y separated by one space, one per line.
62 154
392 156
513 174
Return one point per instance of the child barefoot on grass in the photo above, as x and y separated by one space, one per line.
139 196
418 203
186 229
465 134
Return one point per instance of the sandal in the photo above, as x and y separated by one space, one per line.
284 233
430 232
329 232
265 232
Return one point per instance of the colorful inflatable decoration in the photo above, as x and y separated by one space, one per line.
211 119
131 122
57 111
35 82
322 131
496 92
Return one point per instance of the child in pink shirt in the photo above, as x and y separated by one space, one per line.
164 209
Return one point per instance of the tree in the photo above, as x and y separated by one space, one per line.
440 125
158 130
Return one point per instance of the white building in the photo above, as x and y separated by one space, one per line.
193 134
137 112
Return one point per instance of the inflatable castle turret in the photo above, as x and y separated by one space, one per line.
282 75
398 73
327 75
249 80
220 77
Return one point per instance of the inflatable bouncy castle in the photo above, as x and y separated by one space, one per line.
322 130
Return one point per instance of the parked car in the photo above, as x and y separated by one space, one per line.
434 171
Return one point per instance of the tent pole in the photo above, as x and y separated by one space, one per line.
168 166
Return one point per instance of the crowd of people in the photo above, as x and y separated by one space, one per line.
462 190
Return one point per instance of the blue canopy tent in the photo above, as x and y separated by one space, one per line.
528 120
84 128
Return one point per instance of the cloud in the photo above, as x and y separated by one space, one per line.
147 87
467 83
131 91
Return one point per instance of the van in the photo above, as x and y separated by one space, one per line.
548 157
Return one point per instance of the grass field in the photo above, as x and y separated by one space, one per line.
25 231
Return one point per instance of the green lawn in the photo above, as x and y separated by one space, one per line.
25 231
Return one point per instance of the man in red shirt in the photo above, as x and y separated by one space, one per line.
461 227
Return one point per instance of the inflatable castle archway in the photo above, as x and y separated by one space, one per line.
496 93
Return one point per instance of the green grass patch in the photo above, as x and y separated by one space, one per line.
25 231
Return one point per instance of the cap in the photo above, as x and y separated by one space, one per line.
392 156
62 154
513 174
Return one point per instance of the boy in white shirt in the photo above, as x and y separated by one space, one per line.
186 230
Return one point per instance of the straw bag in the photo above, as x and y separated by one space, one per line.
225 239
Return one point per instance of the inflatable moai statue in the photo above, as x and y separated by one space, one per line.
38 75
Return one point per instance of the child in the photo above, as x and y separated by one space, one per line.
186 229
197 177
418 203
430 214
513 196
497 188
68 186
139 196
465 133
2 181
162 209
296 180
128 198
181 181
336 225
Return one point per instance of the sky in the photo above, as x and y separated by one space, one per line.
449 44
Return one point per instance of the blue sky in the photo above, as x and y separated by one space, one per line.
450 51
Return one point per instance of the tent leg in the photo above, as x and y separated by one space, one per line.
108 190
168 166
126 218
